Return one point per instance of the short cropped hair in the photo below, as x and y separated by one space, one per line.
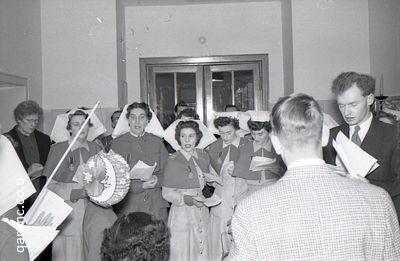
136 236
190 113
180 104
26 108
231 106
225 121
188 124
115 113
258 125
297 120
77 113
346 80
139 105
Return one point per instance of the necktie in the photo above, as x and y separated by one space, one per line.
356 138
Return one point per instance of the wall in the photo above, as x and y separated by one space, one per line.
79 53
329 37
79 57
384 23
240 28
20 43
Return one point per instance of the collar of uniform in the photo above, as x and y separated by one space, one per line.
235 142
188 155
306 162
266 146
78 145
136 136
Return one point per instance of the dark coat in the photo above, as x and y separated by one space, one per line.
381 143
43 142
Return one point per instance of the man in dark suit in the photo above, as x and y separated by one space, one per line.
355 94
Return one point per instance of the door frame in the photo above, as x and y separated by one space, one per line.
147 64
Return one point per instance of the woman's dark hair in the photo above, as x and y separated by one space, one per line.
77 113
139 105
26 108
190 113
258 125
188 124
225 121
136 236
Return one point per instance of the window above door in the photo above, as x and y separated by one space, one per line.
207 84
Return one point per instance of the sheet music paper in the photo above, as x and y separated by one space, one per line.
51 203
15 184
36 238
352 157
260 163
211 201
142 171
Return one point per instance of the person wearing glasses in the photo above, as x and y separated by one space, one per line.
31 145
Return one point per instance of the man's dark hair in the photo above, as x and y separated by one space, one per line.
231 106
190 113
180 104
346 80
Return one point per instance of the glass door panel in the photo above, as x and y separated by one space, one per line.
173 84
236 84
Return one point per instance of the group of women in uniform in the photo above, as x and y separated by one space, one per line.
174 193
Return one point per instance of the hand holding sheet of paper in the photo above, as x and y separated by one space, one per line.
260 163
227 168
209 202
142 171
353 158
36 238
50 203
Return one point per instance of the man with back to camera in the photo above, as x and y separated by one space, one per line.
355 94
312 212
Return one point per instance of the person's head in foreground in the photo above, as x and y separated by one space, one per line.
136 236
297 127
354 95
188 135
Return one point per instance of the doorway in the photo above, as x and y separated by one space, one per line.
207 84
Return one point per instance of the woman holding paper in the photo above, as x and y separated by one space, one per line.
140 146
183 183
258 163
68 244
223 153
